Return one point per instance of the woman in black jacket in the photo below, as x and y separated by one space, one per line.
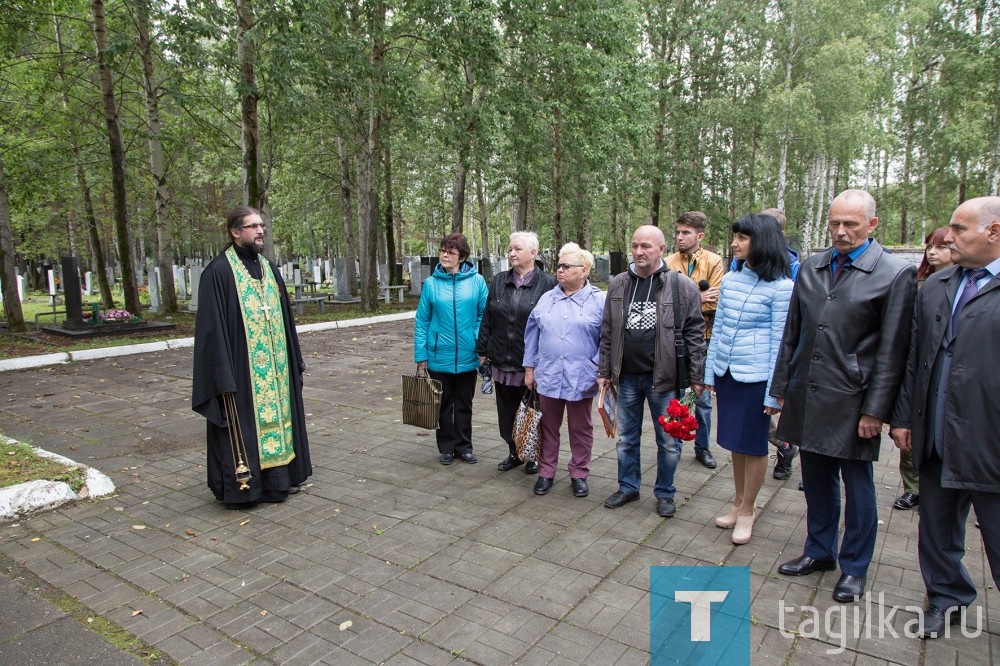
513 294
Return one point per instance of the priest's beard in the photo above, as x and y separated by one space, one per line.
257 246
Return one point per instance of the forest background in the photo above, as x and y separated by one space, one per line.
370 129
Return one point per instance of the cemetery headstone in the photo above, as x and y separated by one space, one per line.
196 271
603 267
154 289
72 293
415 280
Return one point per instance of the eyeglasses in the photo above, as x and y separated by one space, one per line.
257 225
453 253
566 267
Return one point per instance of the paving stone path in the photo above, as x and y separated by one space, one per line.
389 557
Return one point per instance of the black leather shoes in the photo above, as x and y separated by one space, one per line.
906 501
446 458
618 498
508 463
705 457
849 588
543 485
806 565
665 507
531 467
934 621
580 488
468 457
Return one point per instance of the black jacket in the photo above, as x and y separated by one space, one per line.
501 335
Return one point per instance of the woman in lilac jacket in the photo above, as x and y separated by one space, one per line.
561 352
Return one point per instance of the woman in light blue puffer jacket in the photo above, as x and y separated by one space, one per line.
749 322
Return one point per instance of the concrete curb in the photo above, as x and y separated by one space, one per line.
38 495
29 362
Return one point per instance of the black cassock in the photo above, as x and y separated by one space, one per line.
221 365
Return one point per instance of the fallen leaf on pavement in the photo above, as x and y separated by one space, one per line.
190 532
136 612
344 626
244 522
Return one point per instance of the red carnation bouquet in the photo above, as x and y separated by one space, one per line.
678 422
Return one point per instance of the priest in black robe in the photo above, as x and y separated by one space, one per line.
248 373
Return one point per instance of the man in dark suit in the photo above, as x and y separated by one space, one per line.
838 372
948 410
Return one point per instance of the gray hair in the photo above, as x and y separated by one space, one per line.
989 211
582 256
528 238
867 199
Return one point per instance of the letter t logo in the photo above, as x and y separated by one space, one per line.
701 610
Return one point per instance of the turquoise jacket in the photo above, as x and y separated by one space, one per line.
448 316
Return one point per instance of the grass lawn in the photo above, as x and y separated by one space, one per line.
22 464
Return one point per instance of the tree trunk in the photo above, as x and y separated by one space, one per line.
484 226
391 253
93 238
254 185
458 197
521 221
161 195
557 230
117 152
367 224
8 277
350 249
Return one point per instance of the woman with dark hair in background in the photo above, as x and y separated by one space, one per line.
937 257
513 294
749 323
452 303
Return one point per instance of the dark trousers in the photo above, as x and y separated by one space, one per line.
454 434
941 537
821 476
508 400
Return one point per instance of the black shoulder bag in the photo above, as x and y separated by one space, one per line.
680 346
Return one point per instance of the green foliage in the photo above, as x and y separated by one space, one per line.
717 104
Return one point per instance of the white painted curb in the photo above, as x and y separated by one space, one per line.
29 362
37 495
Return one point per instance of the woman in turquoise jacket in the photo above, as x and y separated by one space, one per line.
749 322
452 302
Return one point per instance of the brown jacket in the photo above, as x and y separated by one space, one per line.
704 265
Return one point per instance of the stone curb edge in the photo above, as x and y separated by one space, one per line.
36 495
29 362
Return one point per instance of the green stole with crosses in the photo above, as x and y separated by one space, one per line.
260 302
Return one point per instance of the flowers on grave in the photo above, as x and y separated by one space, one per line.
118 317
678 422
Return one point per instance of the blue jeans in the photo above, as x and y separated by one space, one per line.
703 414
632 391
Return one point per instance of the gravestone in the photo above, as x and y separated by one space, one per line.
327 270
297 275
383 276
196 271
317 274
88 285
183 292
342 290
617 263
426 267
22 286
503 264
72 294
154 289
602 268
415 281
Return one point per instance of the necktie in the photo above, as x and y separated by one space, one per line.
971 289
838 265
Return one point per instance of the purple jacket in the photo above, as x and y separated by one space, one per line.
562 342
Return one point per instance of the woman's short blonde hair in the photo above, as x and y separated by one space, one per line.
527 238
584 258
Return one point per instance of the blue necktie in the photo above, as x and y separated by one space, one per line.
971 289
